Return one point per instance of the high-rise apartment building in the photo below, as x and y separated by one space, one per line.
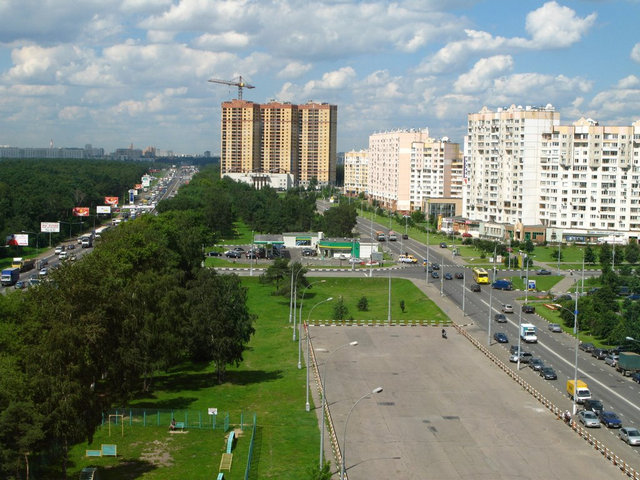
579 182
240 137
318 146
280 138
503 170
279 150
408 166
356 172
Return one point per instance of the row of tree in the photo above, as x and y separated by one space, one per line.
97 332
34 191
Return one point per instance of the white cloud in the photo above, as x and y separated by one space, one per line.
481 76
73 113
331 81
294 70
222 41
635 53
536 88
556 26
629 82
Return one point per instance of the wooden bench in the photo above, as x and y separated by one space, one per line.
177 426
93 453
109 450
225 461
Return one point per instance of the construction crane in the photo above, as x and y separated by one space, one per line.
240 84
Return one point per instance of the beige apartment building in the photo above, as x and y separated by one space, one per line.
240 137
318 143
356 172
280 138
407 167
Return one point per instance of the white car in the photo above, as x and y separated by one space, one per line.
507 308
611 359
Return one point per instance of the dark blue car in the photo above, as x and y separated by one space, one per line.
500 337
610 419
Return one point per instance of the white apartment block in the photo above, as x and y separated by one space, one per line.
408 166
356 172
580 182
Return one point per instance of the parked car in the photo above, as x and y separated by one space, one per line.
232 254
476 288
542 271
536 364
528 309
611 359
599 353
214 254
548 373
593 405
562 298
554 327
500 337
514 349
459 275
630 435
500 318
443 245
588 419
309 252
610 419
448 276
507 308
435 275
524 357
586 347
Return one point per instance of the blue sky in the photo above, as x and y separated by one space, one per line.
119 72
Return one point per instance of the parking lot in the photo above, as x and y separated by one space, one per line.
445 412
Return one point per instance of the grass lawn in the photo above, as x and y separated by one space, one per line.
267 383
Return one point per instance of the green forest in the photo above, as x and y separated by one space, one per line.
34 191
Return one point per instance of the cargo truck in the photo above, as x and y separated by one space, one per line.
380 236
628 362
87 241
580 391
393 236
528 333
9 276
23 264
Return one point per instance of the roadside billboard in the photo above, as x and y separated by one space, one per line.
113 201
103 209
19 239
80 211
51 227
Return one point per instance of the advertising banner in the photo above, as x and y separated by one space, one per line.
19 239
138 186
103 209
132 196
51 227
80 211
113 201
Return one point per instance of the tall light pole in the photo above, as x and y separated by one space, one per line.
491 297
389 306
323 394
253 254
464 289
307 407
526 299
300 321
294 296
575 368
344 436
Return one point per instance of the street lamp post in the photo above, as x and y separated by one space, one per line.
464 288
36 234
389 302
294 297
300 321
344 436
323 394
307 407
491 296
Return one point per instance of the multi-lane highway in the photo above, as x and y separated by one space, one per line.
558 350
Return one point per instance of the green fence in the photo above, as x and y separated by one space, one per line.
147 417
247 471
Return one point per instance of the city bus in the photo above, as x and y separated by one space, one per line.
480 275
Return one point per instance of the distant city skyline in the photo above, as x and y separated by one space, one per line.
118 72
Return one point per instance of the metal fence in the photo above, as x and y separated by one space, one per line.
192 419
247 471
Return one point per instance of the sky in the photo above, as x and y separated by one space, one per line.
112 73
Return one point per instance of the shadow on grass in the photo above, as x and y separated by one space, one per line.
252 376
178 403
128 469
